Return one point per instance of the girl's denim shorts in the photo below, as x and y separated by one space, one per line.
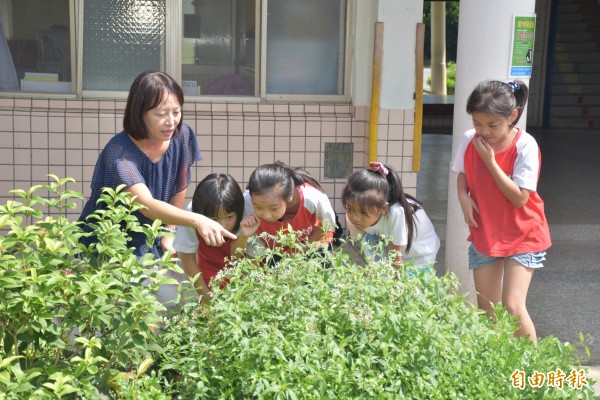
529 260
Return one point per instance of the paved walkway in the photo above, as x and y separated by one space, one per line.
594 373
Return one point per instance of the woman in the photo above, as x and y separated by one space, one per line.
152 156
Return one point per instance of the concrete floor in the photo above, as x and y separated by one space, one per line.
564 297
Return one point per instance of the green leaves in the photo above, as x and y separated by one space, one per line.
79 322
60 385
71 317
302 329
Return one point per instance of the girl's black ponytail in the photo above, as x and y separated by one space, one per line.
521 93
499 98
279 175
397 195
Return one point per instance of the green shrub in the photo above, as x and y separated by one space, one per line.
450 78
321 327
73 320
78 322
145 387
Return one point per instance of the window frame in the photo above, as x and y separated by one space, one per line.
173 62
121 94
72 6
344 97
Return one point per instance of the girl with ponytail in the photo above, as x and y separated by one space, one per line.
280 197
498 166
377 209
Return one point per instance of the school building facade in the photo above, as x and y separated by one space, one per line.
327 85
264 81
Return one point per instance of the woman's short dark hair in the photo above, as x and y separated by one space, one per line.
146 93
218 192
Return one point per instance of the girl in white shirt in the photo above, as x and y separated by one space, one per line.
377 209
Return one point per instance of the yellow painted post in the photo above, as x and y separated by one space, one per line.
419 55
375 91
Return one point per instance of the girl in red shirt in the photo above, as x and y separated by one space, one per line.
280 197
218 197
498 165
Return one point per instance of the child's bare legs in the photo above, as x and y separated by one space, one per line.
508 282
514 295
488 284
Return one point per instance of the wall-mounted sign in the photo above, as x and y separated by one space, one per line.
521 58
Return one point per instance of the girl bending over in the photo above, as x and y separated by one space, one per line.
218 197
377 207
279 196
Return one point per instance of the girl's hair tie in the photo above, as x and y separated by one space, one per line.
378 167
515 87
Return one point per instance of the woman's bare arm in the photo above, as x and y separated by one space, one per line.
211 231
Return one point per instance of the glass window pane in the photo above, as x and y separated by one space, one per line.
35 46
121 38
218 47
305 46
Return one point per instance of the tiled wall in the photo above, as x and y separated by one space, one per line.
64 137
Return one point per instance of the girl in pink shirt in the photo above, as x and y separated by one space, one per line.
498 166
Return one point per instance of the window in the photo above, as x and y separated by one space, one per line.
305 47
274 49
35 46
218 47
121 38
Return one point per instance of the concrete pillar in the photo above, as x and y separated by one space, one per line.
484 45
399 19
438 47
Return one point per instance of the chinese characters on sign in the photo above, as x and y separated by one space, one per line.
558 379
522 46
